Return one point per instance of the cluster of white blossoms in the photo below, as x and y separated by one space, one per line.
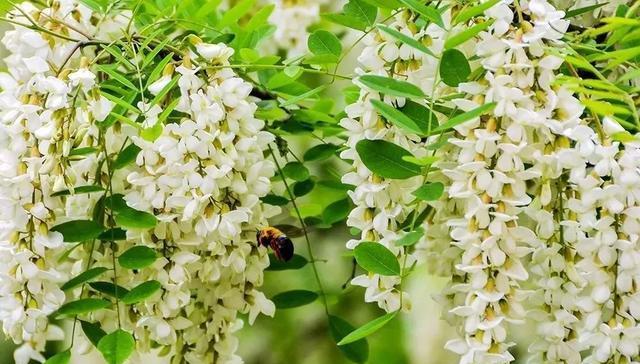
39 129
292 19
201 177
382 205
537 179
540 212
498 155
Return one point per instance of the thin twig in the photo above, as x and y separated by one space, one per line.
312 260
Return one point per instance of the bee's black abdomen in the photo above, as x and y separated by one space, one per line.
285 248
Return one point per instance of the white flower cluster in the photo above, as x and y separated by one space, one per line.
383 205
535 178
544 182
202 178
292 19
38 131
498 155
605 235
540 211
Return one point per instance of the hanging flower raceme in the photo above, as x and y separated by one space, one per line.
140 227
202 177
40 134
385 204
504 158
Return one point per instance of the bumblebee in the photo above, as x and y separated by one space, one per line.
277 240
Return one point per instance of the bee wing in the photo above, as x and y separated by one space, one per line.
291 230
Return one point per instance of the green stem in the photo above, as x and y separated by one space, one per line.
109 192
312 260
40 29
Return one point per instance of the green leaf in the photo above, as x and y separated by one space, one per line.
604 108
234 14
420 115
346 20
259 18
376 258
123 119
82 151
466 34
83 277
278 80
296 262
397 118
623 136
357 351
113 234
320 152
117 347
303 96
391 86
313 116
429 12
126 156
92 331
296 171
115 202
303 187
82 306
423 161
109 288
157 131
410 238
457 120
78 190
141 292
429 192
117 54
114 74
454 67
294 298
618 57
405 39
367 329
120 102
60 358
336 211
323 42
579 11
473 11
362 11
386 159
148 59
137 257
133 219
157 70
275 200
580 62
78 230
385 4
